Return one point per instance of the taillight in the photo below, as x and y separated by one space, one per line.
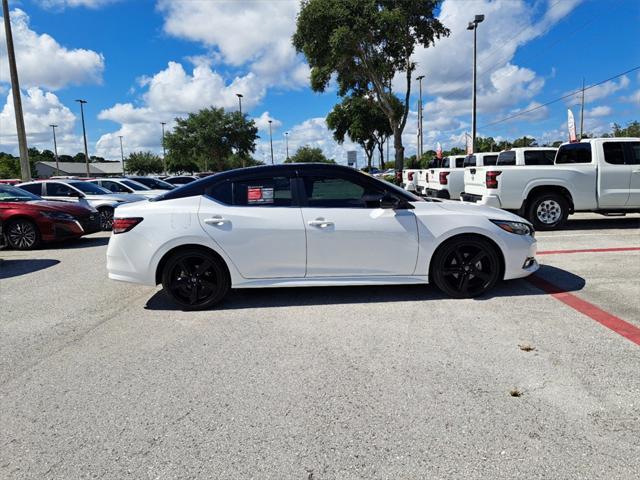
410 176
492 179
443 177
122 225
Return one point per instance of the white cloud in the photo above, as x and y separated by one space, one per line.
601 91
262 122
600 111
41 109
76 3
43 62
633 98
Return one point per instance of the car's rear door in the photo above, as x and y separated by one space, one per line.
633 159
258 224
348 234
614 175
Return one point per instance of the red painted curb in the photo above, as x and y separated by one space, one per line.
589 250
616 324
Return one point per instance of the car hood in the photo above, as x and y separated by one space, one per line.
117 197
463 208
66 207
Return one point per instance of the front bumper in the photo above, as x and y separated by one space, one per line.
520 260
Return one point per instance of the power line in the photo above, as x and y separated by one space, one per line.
559 98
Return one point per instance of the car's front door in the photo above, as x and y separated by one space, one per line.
348 234
258 224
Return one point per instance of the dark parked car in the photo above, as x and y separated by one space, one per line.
28 220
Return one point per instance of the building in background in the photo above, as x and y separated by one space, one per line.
78 169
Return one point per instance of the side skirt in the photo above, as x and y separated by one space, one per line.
331 281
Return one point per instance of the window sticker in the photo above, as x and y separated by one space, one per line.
259 195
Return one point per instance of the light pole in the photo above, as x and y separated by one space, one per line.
55 148
122 154
271 140
84 134
582 111
474 26
164 150
420 135
239 95
25 168
286 141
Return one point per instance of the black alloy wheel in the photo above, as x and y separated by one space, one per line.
106 218
22 235
466 267
195 279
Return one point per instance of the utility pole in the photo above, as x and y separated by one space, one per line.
474 26
286 141
84 134
582 111
271 140
55 148
421 135
25 168
164 150
239 95
122 155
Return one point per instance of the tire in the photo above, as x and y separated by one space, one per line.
106 218
22 234
195 279
466 267
548 211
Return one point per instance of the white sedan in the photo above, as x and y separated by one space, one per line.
311 225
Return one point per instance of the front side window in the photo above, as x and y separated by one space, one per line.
338 192
60 190
506 158
262 192
35 188
134 185
114 187
574 153
614 152
90 188
634 149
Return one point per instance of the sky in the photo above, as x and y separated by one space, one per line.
142 62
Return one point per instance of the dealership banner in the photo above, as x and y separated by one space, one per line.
438 151
571 124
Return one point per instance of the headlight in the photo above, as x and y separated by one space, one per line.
59 216
518 228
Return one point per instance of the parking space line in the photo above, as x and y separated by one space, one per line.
589 250
616 324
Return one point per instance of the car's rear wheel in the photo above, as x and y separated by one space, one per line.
466 267
105 214
548 211
195 279
22 235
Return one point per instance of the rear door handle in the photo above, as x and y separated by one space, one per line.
636 171
216 220
321 223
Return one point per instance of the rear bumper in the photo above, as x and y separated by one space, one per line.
488 200
432 192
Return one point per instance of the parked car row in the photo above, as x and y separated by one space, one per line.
543 185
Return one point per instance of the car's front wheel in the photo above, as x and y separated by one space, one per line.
465 267
105 214
195 279
22 235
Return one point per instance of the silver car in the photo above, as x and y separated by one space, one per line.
81 191
126 185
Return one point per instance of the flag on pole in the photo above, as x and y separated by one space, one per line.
469 145
571 124
438 151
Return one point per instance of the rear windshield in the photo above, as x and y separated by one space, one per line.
434 163
134 185
574 153
459 162
470 161
444 163
506 158
90 188
490 159
539 157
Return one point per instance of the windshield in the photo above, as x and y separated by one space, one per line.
90 188
13 194
154 183
134 185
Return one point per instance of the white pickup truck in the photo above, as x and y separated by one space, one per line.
410 179
595 175
447 180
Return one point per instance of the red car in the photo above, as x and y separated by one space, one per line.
27 220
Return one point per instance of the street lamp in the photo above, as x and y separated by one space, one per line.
239 95
164 151
55 148
474 26
84 134
420 136
122 155
271 140
286 141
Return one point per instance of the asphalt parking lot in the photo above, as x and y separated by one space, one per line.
541 379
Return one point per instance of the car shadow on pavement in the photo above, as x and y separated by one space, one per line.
603 223
309 296
15 268
83 242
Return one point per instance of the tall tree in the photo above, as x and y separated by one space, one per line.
308 154
365 43
362 120
204 140
144 163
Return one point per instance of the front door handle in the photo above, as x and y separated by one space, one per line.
321 223
216 220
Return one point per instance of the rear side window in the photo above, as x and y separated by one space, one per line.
490 160
223 193
538 157
506 158
459 162
35 188
470 161
614 152
263 192
574 153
